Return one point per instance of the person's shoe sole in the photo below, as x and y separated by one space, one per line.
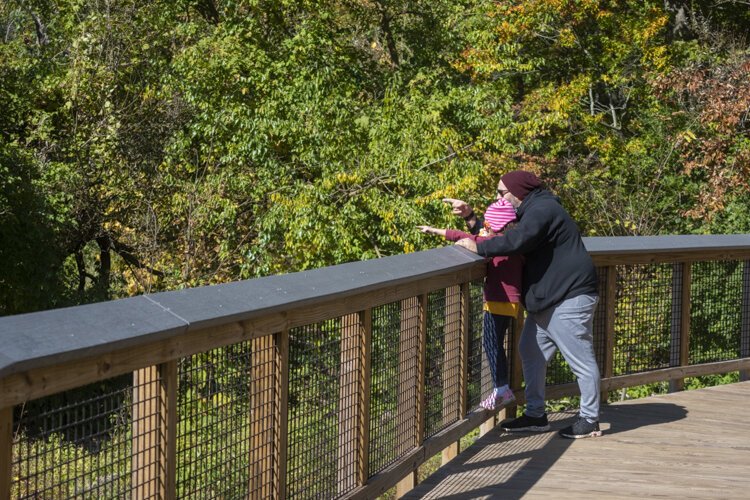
592 434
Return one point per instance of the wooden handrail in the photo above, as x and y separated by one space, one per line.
49 352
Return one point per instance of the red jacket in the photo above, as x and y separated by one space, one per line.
503 282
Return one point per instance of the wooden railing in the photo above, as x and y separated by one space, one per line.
337 382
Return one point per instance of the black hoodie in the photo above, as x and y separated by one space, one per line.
557 266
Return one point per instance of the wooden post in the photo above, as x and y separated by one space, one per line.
354 402
411 402
153 463
608 335
464 347
168 398
516 369
486 380
364 402
6 451
452 365
282 404
680 347
263 416
349 397
745 324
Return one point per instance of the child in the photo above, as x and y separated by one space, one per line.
502 294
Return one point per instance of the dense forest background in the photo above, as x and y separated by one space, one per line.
147 146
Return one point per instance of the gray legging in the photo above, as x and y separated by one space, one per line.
566 326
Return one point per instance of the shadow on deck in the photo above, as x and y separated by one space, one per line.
693 444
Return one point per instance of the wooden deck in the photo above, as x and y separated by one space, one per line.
693 444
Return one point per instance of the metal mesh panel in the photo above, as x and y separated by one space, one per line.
442 360
213 431
643 318
314 355
477 384
600 319
558 371
715 311
384 387
76 444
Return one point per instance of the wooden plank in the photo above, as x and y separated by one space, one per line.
414 312
609 329
679 351
421 368
146 460
349 432
660 445
262 416
282 403
6 451
408 383
364 410
489 424
516 368
168 432
614 259
463 403
745 325
24 386
389 477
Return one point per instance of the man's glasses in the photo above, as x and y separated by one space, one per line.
502 192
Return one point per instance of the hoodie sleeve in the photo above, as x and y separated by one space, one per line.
525 237
455 235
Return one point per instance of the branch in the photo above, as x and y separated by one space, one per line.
41 31
127 254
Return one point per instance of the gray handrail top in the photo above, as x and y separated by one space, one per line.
40 339
604 245
45 338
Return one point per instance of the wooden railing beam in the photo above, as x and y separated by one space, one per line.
6 451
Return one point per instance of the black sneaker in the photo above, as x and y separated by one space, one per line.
525 423
581 429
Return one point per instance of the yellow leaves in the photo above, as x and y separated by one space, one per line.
566 38
687 136
654 28
348 178
658 57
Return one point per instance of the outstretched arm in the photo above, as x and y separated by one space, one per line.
432 230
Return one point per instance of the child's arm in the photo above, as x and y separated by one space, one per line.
432 230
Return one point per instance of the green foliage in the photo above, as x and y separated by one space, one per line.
187 143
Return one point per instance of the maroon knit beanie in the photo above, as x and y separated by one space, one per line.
520 183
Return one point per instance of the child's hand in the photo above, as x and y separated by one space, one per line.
432 230
459 207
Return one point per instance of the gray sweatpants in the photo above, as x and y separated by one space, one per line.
568 327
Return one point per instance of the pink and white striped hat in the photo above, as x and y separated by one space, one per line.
499 214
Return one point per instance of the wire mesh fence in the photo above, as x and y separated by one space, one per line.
394 382
643 318
76 444
213 427
234 428
716 311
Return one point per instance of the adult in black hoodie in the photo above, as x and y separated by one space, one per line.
559 294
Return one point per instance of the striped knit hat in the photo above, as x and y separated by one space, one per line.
499 214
